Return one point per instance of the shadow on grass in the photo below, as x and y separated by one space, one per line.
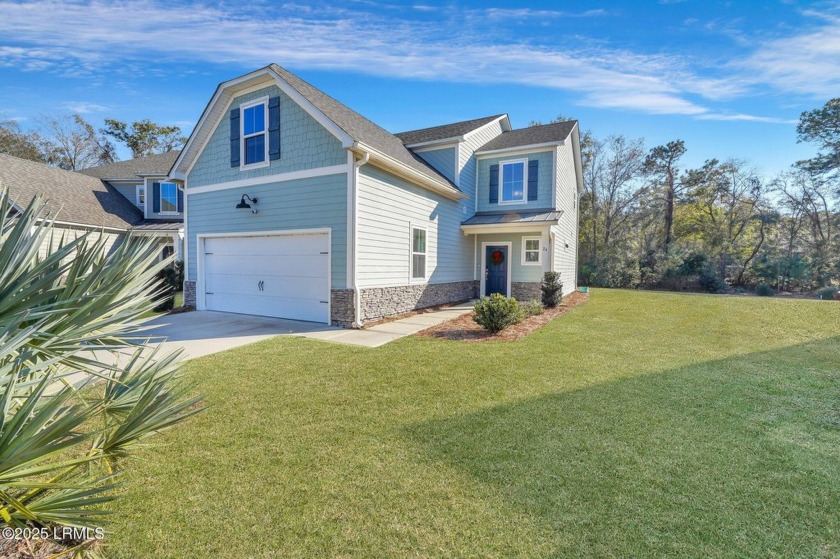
734 457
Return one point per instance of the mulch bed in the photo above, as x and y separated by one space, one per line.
465 329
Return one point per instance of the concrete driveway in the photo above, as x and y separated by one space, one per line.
201 333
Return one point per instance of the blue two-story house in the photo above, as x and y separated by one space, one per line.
297 206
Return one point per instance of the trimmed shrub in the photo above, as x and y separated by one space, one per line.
828 293
764 290
552 290
497 312
532 308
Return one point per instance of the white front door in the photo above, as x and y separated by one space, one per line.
281 275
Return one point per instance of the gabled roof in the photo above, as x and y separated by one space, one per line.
73 197
153 165
455 130
531 136
355 131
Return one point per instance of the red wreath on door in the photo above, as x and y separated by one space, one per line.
497 257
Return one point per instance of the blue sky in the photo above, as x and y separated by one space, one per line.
730 78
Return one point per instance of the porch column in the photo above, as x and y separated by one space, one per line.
547 250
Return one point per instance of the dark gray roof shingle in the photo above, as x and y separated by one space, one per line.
444 131
542 134
74 197
133 168
531 216
359 128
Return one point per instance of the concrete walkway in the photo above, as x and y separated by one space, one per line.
380 335
201 333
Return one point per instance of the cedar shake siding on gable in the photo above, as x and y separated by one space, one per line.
545 182
304 144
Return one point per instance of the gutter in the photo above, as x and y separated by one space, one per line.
357 293
400 169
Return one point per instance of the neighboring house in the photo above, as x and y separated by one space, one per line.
79 203
299 207
145 178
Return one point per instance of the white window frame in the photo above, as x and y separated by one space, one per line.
162 212
502 165
539 251
411 253
265 162
137 190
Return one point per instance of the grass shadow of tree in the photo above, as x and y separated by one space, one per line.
732 457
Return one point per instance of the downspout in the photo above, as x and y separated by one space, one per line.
357 293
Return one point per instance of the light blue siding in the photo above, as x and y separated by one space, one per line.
127 190
518 272
545 185
443 160
387 209
304 144
297 204
467 160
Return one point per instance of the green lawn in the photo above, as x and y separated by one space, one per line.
639 424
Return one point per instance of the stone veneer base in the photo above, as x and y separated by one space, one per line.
189 294
525 290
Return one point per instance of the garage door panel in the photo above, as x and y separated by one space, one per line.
279 275
308 265
279 307
272 286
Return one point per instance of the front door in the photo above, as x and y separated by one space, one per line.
495 270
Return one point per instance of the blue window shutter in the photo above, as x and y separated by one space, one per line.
494 184
533 179
234 137
274 128
180 199
156 197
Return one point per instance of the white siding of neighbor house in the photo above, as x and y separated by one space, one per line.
388 207
566 232
51 243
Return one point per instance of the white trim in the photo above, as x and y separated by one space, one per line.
524 200
539 251
404 171
503 117
268 179
242 108
411 253
201 296
517 150
475 257
432 146
484 246
137 188
516 227
86 226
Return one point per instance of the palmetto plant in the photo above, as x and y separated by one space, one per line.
79 385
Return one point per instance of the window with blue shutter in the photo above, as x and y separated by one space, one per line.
513 181
156 197
234 138
274 128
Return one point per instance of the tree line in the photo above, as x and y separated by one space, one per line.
647 221
72 143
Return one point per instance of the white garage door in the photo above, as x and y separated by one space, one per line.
285 276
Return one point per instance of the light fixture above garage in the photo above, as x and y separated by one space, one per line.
243 205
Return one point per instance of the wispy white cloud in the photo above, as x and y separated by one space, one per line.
83 107
330 37
741 117
806 63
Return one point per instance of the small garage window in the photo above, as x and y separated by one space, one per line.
418 253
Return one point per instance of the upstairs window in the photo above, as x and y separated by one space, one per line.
140 195
514 179
168 198
254 142
418 253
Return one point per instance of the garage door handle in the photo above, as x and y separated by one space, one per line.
325 302
209 293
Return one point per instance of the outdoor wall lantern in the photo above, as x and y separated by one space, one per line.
243 205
